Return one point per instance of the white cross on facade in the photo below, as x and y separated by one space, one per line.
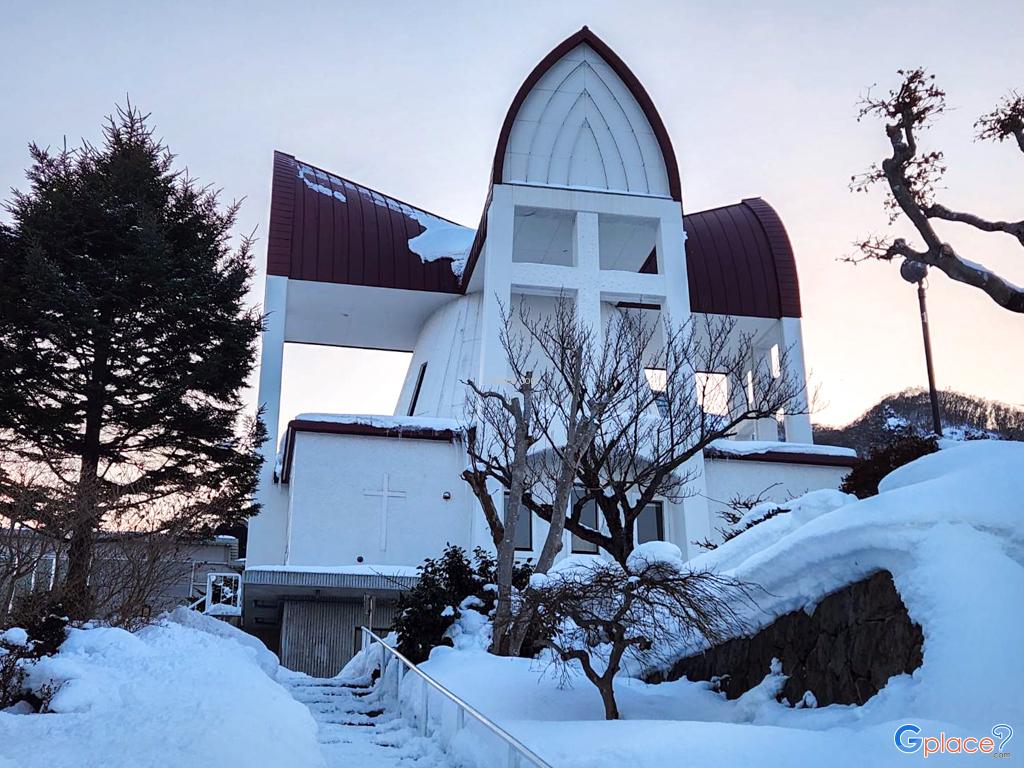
385 492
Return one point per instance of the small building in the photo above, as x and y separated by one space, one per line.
163 572
585 201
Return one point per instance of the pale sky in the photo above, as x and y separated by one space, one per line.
408 98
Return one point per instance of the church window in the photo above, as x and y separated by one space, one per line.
657 379
776 361
713 392
650 525
588 517
416 389
524 528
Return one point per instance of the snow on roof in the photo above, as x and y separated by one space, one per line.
751 447
361 569
419 423
321 181
441 239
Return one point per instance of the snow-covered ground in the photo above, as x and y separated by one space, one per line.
188 691
191 691
950 528
194 692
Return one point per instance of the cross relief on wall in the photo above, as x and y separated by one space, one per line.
385 492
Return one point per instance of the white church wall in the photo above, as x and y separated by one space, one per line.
336 512
266 536
726 478
449 345
581 127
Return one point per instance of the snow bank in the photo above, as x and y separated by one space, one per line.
187 691
15 636
800 511
948 527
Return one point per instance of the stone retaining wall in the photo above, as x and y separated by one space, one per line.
843 653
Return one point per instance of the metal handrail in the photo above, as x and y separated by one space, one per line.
516 748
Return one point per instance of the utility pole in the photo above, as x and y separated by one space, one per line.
916 272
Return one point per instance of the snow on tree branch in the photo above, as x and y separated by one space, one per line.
912 177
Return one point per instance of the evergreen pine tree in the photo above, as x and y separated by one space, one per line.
125 343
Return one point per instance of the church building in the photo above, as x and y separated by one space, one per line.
585 201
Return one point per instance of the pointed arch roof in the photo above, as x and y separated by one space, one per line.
636 88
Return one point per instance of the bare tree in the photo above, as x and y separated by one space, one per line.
507 431
646 437
139 555
594 614
912 176
600 433
26 544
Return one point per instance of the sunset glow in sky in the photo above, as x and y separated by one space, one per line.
407 98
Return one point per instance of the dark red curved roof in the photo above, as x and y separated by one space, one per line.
627 76
326 228
739 261
332 230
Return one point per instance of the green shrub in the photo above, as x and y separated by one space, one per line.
45 625
427 610
901 448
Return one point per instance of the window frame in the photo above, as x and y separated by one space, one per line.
660 519
573 538
523 512
417 389
702 381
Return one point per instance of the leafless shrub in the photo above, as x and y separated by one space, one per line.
736 516
594 614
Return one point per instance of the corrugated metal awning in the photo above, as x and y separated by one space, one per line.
327 579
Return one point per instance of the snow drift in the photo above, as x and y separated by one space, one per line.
948 527
188 691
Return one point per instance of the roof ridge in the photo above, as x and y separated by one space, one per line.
723 206
371 189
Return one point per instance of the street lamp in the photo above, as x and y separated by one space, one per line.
916 272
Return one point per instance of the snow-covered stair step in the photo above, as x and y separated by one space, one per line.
355 730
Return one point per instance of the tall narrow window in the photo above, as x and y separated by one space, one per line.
524 528
588 517
657 379
416 389
780 425
775 360
713 392
650 525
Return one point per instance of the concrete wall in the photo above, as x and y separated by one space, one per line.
726 478
449 344
334 521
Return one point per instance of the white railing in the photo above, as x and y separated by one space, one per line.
223 595
518 753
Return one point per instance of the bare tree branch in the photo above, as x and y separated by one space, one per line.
912 179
